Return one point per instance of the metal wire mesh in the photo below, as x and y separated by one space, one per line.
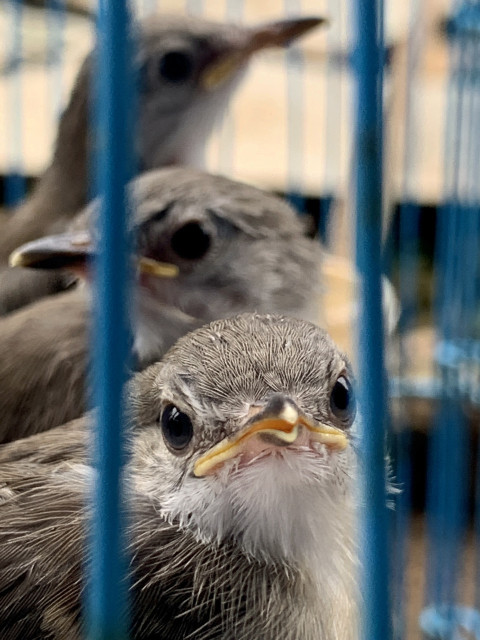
451 386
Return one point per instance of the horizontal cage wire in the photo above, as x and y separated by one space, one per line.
365 122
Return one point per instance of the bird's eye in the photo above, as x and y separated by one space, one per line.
175 66
190 242
342 400
177 428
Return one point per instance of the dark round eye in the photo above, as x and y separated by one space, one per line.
177 428
190 242
342 400
175 66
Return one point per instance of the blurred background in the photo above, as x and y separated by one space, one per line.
290 130
290 127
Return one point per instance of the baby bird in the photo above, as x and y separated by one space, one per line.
188 71
236 248
241 484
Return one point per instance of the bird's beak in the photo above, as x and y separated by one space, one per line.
155 268
72 251
62 251
272 34
279 428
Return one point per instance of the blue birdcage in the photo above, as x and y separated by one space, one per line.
377 140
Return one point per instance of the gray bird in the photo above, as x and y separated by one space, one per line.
241 484
188 70
236 248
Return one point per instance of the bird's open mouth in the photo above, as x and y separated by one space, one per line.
72 251
266 432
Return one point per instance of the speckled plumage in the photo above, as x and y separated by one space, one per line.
205 563
258 260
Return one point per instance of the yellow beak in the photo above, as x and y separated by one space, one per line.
156 268
273 34
284 427
67 250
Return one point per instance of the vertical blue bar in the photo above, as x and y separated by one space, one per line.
107 596
402 438
409 253
368 200
455 265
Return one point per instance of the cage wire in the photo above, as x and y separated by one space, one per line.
456 317
408 267
431 541
106 600
368 162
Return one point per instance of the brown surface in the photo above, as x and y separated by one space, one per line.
415 577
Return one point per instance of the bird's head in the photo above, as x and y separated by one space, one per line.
236 248
229 247
245 435
188 70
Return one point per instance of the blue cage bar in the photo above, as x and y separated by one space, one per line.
107 589
368 62
457 318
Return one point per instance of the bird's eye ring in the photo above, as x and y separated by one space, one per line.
177 428
342 400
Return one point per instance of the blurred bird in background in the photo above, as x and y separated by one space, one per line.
188 69
234 248
241 484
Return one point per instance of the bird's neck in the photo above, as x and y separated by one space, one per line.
157 326
63 188
239 598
